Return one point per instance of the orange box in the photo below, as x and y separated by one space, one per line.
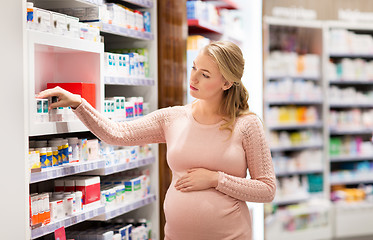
86 90
34 209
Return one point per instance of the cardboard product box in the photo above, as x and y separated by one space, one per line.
93 147
69 185
90 187
59 185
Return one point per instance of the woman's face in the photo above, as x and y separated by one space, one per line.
206 81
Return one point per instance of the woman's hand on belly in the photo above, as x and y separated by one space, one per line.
197 179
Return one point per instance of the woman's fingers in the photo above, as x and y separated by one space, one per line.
56 105
187 189
50 93
183 186
181 181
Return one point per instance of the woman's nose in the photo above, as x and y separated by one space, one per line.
193 77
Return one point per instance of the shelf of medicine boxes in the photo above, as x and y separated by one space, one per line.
63 44
68 221
89 167
124 32
132 81
39 42
65 170
115 211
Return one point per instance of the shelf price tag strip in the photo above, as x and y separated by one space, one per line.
41 231
129 207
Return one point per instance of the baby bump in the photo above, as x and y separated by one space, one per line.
207 210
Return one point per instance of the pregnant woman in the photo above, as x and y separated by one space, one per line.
211 144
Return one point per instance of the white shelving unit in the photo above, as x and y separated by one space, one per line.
349 218
49 56
314 44
346 220
42 58
147 87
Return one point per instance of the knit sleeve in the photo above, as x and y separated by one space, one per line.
261 187
148 129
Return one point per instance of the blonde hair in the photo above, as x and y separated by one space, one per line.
228 56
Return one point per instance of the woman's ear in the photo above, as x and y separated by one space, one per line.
227 85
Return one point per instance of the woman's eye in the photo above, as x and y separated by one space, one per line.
205 75
194 68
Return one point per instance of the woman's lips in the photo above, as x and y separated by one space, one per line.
193 88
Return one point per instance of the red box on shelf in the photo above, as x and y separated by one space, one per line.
86 90
90 188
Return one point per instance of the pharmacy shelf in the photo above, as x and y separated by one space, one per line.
51 42
113 212
123 167
65 170
47 128
125 32
135 81
351 181
140 3
351 82
351 132
50 4
68 221
291 200
300 172
198 26
336 159
295 148
295 126
351 105
350 55
293 102
308 78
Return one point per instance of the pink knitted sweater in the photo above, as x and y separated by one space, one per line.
214 214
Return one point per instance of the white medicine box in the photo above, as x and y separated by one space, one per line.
58 23
42 20
72 27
